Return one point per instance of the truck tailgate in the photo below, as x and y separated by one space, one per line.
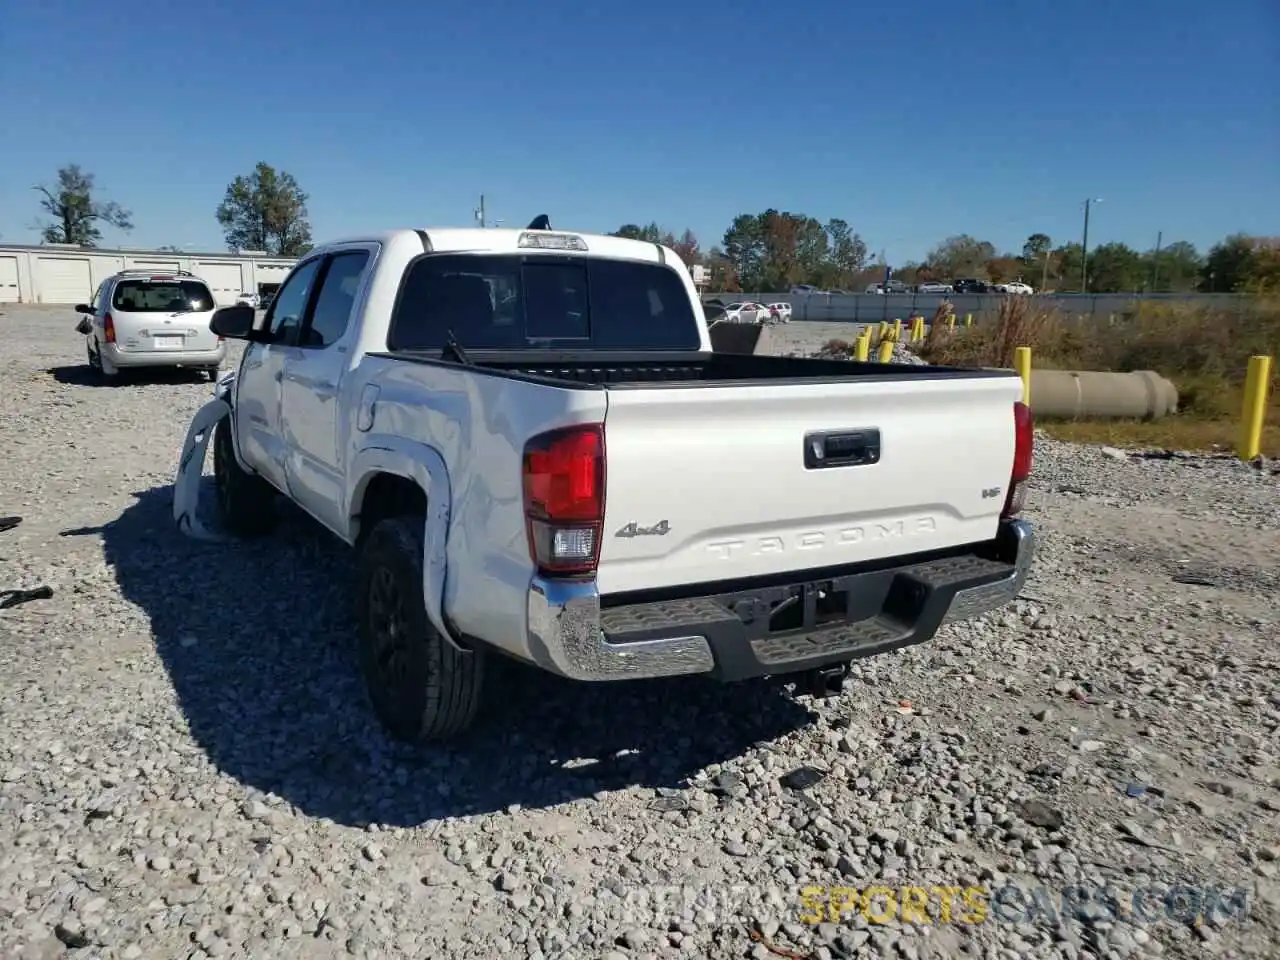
712 483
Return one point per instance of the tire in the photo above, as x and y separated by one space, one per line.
246 502
100 374
420 686
212 373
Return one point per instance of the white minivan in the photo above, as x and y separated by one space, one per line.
140 318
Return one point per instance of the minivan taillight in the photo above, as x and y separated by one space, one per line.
1024 437
108 329
564 499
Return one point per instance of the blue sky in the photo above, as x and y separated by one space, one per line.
911 122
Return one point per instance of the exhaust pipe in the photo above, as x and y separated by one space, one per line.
826 681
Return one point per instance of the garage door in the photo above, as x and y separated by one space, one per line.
160 266
9 280
63 280
272 273
224 279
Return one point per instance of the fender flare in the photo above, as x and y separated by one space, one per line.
426 467
186 485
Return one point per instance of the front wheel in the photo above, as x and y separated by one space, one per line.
246 502
422 687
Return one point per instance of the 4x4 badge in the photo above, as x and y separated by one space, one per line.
633 529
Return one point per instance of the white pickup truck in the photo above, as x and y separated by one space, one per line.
528 439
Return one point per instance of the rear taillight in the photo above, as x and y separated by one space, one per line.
564 499
1024 437
108 329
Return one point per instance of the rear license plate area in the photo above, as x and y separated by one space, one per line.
173 342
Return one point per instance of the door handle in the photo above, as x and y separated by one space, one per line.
845 448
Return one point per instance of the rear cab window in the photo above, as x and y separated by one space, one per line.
522 301
144 295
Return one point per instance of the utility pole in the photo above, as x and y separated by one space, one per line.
1044 280
1155 264
480 212
1084 247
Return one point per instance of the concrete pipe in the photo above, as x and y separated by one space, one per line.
1076 394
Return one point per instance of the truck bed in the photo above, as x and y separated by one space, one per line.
753 466
649 370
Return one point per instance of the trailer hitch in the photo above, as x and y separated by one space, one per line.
826 681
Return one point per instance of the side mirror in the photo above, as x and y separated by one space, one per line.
83 308
234 323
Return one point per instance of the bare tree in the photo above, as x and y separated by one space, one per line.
74 216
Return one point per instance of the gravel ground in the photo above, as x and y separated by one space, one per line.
188 767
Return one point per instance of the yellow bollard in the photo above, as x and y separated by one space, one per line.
968 319
1256 382
951 321
1022 363
886 351
862 346
884 329
897 330
919 331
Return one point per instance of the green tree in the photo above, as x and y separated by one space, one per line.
1264 267
1064 266
960 256
631 231
1229 266
1175 269
1036 248
780 237
74 215
266 210
744 249
848 255
1116 268
813 251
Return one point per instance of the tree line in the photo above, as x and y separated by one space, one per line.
266 210
773 251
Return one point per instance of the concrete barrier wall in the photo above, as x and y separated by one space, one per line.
872 308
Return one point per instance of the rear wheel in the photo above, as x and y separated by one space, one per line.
246 502
422 688
106 370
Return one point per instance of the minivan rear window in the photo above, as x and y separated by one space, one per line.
161 296
518 302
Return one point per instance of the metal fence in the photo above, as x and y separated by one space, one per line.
872 308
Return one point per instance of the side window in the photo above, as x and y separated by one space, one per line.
338 288
290 303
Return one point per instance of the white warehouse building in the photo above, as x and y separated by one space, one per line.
65 273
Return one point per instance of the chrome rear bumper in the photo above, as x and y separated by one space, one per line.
571 635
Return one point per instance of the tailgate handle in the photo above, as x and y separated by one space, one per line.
846 448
